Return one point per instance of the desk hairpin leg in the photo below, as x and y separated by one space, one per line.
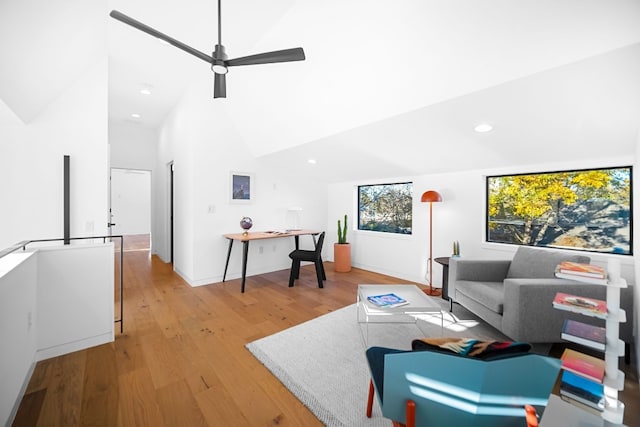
224 276
245 254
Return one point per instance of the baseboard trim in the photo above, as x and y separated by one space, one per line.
59 350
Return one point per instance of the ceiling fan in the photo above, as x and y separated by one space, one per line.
218 60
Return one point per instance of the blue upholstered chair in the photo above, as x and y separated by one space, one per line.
433 388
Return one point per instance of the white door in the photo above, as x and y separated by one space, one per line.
130 201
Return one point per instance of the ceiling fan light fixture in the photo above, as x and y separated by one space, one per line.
218 67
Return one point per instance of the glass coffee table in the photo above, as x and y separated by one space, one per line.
397 326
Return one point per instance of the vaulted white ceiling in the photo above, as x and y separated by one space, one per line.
553 76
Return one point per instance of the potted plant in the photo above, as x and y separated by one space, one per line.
342 249
456 249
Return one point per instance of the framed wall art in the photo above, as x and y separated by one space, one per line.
242 187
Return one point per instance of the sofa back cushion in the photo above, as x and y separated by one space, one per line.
530 263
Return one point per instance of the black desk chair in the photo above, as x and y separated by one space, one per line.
314 256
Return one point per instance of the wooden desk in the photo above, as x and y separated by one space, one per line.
260 235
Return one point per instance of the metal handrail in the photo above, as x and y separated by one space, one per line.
23 245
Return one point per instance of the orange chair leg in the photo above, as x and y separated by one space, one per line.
410 416
411 413
370 399
532 417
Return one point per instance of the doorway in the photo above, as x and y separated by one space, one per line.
130 205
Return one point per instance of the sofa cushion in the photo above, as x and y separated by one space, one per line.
530 263
489 294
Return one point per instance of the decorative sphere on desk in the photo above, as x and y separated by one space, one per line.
246 223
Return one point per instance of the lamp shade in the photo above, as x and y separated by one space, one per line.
431 196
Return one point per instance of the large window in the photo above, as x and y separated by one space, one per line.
386 207
588 210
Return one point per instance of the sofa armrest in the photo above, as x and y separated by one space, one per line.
529 314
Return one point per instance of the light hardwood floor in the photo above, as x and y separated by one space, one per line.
181 360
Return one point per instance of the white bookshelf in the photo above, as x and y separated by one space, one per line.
613 413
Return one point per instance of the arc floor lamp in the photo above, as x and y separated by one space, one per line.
430 197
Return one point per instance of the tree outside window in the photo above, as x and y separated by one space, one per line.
386 207
583 209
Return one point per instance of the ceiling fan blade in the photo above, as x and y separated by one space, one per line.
155 33
287 55
220 86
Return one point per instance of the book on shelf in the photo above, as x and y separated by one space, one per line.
581 269
583 279
587 306
582 333
582 390
589 367
387 300
581 405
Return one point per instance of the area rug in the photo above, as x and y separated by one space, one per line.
322 361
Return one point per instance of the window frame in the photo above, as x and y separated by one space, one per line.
488 239
359 208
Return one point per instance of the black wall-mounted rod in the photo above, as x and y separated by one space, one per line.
67 201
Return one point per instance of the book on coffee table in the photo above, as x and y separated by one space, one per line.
387 300
581 333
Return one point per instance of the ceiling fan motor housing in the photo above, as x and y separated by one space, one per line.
218 65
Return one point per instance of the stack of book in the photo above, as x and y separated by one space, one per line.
581 382
588 273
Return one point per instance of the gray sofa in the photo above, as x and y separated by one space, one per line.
516 296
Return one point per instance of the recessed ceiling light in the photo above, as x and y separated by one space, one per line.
145 91
312 161
483 128
136 115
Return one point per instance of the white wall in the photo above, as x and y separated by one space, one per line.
74 294
460 216
201 141
31 165
132 146
18 282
